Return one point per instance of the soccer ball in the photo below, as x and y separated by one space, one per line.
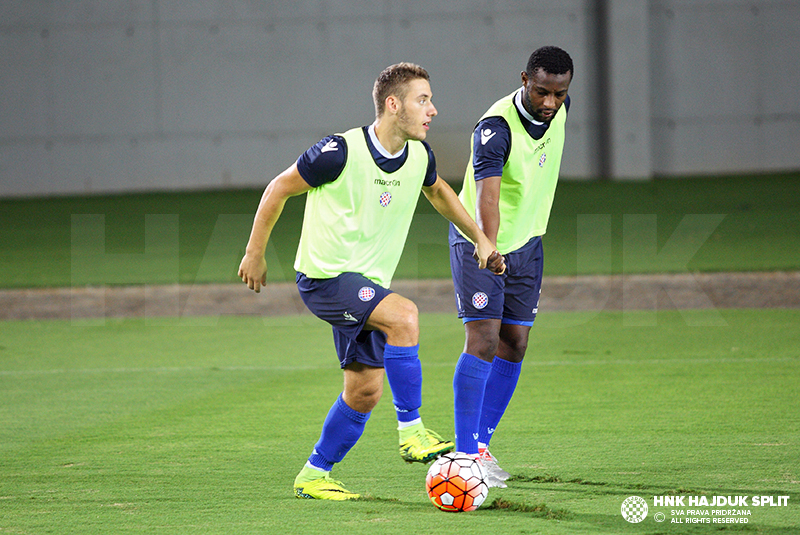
457 482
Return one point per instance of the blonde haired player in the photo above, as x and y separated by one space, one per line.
362 189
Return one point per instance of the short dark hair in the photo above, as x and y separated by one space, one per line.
393 80
551 60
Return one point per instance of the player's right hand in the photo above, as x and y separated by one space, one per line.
253 272
494 262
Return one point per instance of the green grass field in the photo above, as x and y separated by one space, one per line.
141 427
164 426
706 224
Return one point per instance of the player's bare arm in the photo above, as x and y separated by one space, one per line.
253 268
487 206
446 202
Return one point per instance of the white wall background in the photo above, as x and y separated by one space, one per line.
133 95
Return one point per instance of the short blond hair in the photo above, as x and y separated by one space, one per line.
394 81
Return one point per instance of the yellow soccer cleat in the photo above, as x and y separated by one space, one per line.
424 446
323 488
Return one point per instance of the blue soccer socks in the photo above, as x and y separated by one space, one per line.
500 386
342 428
469 384
404 372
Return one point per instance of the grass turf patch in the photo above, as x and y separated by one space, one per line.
129 427
738 223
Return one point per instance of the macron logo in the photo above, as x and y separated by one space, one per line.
329 146
486 135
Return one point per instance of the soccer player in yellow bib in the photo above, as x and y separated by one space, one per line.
362 189
509 187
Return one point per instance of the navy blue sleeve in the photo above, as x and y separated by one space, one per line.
430 173
491 145
323 162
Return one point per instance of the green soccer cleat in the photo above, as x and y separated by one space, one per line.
323 488
424 446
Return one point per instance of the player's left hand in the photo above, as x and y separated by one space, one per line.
496 263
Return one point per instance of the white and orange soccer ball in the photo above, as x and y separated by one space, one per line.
457 482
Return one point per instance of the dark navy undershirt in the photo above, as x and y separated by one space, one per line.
325 161
492 142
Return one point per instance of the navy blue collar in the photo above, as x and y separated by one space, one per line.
386 163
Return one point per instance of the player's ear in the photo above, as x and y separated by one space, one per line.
391 104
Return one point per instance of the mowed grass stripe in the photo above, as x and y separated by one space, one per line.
608 362
209 431
708 224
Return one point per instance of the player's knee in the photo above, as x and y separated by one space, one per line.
514 347
410 316
482 342
365 398
517 353
485 350
405 321
369 400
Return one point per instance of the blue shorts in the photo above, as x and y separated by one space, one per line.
512 297
346 302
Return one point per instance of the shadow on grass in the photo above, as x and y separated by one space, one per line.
539 510
551 479
655 490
